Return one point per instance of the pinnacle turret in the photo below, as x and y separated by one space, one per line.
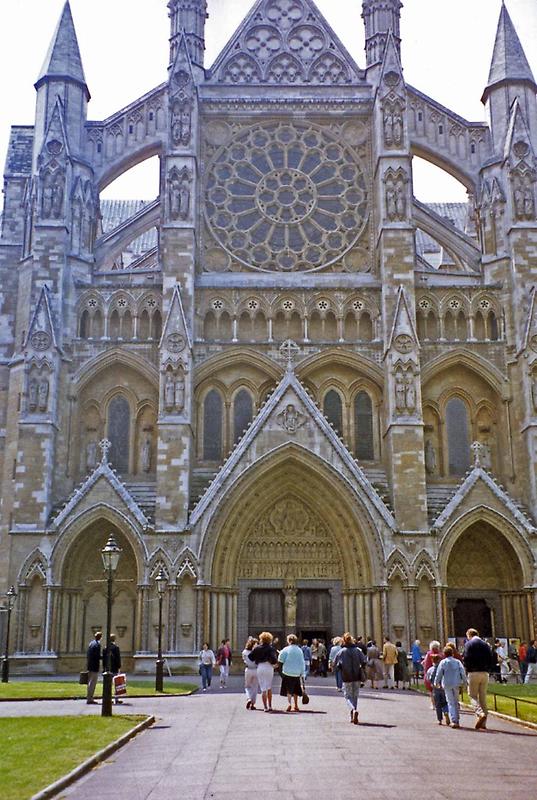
509 62
380 17
63 61
188 17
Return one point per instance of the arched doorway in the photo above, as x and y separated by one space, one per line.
292 553
485 584
82 601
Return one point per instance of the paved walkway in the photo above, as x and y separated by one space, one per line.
209 746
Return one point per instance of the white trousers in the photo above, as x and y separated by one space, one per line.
531 674
251 686
265 675
389 672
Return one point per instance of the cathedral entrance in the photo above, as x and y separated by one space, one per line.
266 612
314 614
472 613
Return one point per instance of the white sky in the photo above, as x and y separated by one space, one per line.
447 46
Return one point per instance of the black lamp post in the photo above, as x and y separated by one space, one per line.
11 596
161 581
110 554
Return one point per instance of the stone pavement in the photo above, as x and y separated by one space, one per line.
209 746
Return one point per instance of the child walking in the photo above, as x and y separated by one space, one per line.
450 675
439 696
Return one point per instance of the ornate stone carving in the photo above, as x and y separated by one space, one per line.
181 122
180 183
534 391
174 390
289 540
169 392
291 419
43 393
40 340
175 342
53 193
403 343
523 196
305 215
33 391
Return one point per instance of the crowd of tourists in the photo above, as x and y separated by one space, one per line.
356 663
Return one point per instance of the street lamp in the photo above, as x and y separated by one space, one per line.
161 580
11 596
110 554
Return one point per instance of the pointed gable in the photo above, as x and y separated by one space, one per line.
291 417
102 487
63 59
41 335
285 43
479 488
175 334
509 62
518 144
403 335
56 143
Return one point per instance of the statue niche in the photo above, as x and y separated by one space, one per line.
179 182
38 389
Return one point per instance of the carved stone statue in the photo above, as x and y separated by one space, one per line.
33 390
410 393
290 607
43 394
393 126
180 392
181 122
529 202
430 458
91 455
396 202
180 195
46 204
58 187
534 390
291 419
400 393
145 455
169 392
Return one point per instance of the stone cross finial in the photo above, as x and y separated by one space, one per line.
105 445
289 350
476 448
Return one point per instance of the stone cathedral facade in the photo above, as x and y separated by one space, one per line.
308 397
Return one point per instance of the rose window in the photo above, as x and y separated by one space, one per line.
286 196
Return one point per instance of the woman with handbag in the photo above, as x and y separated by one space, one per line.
293 671
265 656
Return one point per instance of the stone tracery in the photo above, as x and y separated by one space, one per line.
286 197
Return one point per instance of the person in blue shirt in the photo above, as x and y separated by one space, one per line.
306 649
450 675
293 670
417 658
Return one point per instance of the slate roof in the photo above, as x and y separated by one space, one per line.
114 212
19 151
508 59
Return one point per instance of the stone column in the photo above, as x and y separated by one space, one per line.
18 616
411 592
173 592
442 622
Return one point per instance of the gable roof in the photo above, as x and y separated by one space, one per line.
290 389
102 472
285 45
465 489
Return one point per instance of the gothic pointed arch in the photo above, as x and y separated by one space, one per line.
461 356
110 359
397 566
36 563
423 567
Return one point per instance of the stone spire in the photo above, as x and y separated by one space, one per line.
509 62
380 17
63 61
188 16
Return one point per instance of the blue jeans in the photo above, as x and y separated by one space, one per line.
440 703
307 670
206 672
339 678
452 697
351 691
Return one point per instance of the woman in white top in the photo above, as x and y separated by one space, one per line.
207 662
251 686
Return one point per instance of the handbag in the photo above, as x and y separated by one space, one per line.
305 695
83 678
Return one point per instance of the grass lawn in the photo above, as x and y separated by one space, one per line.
503 702
19 690
39 750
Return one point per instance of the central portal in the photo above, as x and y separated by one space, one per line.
306 612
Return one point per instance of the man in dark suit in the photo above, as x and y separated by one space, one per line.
93 665
115 658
